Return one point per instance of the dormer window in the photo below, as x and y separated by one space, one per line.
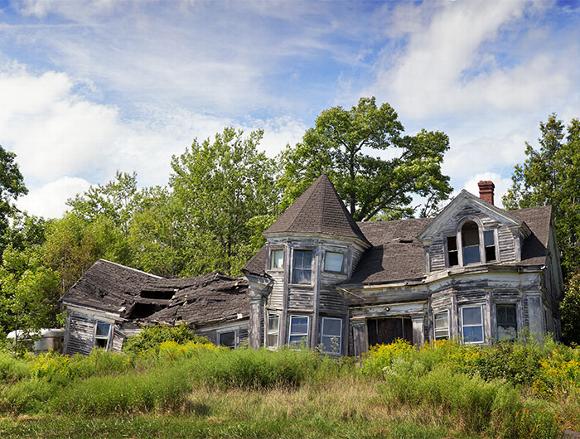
470 243
471 250
489 241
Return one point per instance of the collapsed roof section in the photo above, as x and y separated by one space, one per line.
145 298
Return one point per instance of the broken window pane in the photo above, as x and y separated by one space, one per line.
227 339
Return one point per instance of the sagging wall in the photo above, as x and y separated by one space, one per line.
80 330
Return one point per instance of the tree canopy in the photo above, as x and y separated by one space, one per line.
376 169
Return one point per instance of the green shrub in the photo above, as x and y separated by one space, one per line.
478 405
62 369
11 368
260 369
151 337
25 396
160 389
381 356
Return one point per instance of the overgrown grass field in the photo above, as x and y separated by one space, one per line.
195 389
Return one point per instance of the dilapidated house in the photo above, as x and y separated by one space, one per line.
475 272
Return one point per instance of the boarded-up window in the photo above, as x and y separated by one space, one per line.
331 335
302 267
507 322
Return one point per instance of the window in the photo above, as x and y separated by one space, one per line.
277 259
507 322
472 324
470 243
227 338
333 262
441 325
298 330
102 333
331 335
273 330
302 267
452 253
489 242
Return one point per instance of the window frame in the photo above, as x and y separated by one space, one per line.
227 331
302 249
291 334
447 251
102 337
342 265
271 259
463 325
446 311
269 332
517 326
339 336
495 246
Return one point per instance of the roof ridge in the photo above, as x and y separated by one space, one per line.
129 268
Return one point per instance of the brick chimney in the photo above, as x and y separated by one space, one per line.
486 188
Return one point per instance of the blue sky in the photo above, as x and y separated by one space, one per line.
91 86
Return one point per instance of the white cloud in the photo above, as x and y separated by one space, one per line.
449 64
50 199
58 134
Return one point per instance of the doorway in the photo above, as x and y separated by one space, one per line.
387 330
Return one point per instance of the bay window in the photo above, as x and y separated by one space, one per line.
276 259
299 330
302 267
507 322
441 325
333 262
273 330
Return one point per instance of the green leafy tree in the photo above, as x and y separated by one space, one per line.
73 244
158 234
11 187
116 200
570 311
220 186
377 170
550 175
29 291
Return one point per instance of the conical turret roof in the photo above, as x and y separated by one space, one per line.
318 210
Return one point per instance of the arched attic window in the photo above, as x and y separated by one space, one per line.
472 252
470 243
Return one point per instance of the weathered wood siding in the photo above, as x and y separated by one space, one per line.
80 335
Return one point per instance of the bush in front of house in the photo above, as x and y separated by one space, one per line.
152 336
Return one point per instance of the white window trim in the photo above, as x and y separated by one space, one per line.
339 336
463 325
270 260
268 332
342 267
225 331
291 282
102 337
307 334
448 324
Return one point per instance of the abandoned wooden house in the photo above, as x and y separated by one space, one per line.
475 272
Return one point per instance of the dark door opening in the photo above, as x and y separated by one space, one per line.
387 330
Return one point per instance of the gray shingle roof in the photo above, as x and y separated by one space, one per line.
318 210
